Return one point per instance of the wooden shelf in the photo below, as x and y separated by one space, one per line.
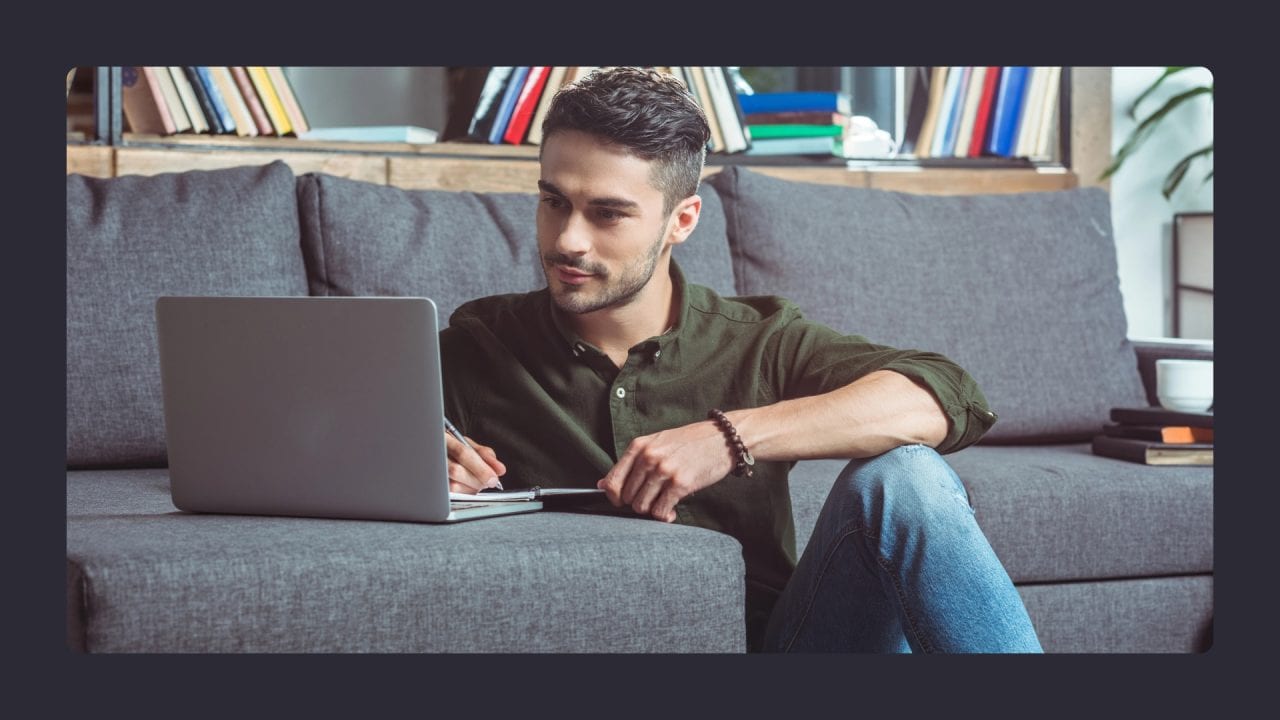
507 168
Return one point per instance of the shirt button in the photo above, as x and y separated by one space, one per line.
620 392
657 354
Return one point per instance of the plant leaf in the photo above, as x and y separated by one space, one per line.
1133 108
1175 176
1144 128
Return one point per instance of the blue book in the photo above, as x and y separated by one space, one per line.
807 101
507 105
216 100
944 141
1004 117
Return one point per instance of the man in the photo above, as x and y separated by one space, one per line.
684 406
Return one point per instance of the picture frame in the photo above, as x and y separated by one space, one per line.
1193 275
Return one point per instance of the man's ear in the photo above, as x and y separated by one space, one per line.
685 219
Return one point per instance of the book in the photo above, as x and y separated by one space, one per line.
487 102
937 88
819 145
251 100
944 139
796 130
190 103
1008 108
1042 148
226 123
230 93
703 93
969 111
982 121
270 100
534 493
797 117
373 133
831 101
509 95
530 94
178 113
1174 434
555 79
143 102
1029 122
1152 453
1155 415
284 90
727 111
916 101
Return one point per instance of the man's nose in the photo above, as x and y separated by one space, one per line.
574 237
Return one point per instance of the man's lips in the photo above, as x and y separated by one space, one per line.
571 276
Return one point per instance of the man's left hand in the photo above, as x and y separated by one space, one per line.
658 471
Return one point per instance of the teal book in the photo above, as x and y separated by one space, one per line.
819 145
786 130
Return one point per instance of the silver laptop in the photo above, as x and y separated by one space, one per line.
308 406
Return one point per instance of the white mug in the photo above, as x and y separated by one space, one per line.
1184 385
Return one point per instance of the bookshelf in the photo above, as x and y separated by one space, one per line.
105 149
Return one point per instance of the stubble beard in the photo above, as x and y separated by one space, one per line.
613 293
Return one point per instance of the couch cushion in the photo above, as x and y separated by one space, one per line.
361 238
132 239
1020 289
144 577
1058 512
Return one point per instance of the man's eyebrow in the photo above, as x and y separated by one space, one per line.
610 202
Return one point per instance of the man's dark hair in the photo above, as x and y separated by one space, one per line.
649 113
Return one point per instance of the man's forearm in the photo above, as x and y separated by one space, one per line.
871 415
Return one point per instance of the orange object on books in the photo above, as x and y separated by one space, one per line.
1173 434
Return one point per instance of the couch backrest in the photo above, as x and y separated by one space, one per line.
132 239
1021 289
361 238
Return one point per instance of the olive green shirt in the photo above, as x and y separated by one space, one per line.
559 413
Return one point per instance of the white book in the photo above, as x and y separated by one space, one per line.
171 99
245 126
1048 115
1029 123
972 97
189 101
730 129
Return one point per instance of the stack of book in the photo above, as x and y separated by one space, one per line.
796 123
962 111
512 102
243 101
1157 436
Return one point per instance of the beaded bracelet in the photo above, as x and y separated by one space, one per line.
745 461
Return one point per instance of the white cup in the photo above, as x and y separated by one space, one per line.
1185 385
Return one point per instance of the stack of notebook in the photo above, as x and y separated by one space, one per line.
1157 436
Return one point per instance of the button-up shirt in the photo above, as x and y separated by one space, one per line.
559 413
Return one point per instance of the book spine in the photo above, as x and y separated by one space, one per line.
947 113
982 121
703 94
794 102
220 109
251 100
199 121
1008 109
172 100
144 103
487 104
972 95
554 82
518 76
1048 115
288 99
761 132
530 94
244 124
270 101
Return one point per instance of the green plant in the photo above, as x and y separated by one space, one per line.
1145 129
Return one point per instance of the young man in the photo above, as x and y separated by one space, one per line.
688 407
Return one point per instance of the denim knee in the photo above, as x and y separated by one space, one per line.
911 482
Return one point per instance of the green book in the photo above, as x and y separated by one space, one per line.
761 132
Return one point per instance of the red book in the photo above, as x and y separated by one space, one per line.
981 120
258 112
526 102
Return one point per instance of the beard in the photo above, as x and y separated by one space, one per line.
611 292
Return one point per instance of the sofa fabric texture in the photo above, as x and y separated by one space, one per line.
1021 290
132 239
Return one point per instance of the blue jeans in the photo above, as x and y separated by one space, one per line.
897 563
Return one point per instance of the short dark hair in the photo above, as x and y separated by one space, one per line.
649 113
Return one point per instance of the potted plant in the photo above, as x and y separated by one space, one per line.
1148 125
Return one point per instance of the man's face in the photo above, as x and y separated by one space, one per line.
601 229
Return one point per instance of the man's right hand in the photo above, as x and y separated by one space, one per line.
471 471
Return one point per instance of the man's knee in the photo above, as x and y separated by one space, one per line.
912 479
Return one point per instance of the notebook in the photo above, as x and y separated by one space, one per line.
308 406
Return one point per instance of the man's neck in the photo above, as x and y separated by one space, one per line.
617 329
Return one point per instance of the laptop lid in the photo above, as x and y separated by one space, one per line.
306 406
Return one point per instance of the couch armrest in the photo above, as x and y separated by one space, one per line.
1151 349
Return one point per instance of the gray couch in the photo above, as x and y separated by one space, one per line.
1020 289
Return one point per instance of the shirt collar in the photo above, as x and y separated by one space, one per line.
577 346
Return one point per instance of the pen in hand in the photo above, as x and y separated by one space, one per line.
448 426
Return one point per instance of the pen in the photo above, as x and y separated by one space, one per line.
448 426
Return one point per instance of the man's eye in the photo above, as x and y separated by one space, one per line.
552 201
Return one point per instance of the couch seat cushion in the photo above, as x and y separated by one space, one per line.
362 238
144 577
132 239
1058 512
1021 289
